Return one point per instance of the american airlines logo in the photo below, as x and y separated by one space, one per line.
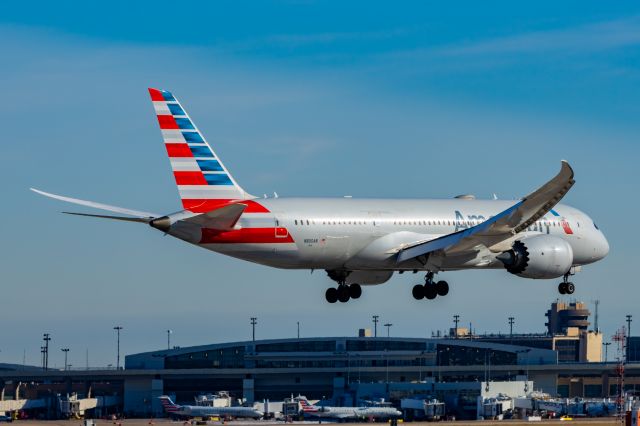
471 220
542 225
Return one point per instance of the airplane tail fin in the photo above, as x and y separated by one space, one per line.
204 183
306 407
168 405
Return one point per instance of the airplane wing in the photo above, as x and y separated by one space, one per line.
121 210
500 227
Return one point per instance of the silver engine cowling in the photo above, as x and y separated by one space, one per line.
539 257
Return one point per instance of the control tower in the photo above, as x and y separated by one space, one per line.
563 316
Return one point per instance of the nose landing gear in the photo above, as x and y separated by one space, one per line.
566 287
430 290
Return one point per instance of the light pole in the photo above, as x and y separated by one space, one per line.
388 325
606 350
298 324
456 320
375 325
628 336
117 328
66 351
46 337
511 321
169 339
254 321
42 349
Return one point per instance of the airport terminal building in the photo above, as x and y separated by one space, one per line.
345 369
325 367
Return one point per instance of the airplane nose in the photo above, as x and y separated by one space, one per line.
602 247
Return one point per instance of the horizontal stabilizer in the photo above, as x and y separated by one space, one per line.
102 216
93 204
224 218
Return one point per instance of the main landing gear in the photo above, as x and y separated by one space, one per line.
566 287
430 290
343 293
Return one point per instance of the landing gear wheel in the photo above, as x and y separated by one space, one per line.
331 295
442 288
343 293
562 288
569 287
430 291
355 291
418 292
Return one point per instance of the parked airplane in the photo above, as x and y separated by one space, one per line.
349 412
191 411
364 241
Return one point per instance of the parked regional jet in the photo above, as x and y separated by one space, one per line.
191 411
364 241
349 412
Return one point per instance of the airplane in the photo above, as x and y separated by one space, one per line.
191 411
349 412
364 241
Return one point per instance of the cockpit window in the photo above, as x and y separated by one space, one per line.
594 224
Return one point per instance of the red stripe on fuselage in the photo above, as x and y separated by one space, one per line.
190 178
177 150
204 206
243 236
167 122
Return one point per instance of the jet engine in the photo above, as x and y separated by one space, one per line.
539 257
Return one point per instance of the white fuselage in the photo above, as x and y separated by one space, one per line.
355 412
361 234
204 411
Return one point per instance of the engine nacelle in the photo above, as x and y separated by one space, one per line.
540 257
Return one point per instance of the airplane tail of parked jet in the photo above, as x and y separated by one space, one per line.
168 405
308 408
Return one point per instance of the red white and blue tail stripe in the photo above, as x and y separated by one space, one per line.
168 405
203 181
308 408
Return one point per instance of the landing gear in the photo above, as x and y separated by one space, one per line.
418 292
344 292
442 287
430 290
355 291
566 287
331 295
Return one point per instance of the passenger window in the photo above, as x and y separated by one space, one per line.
296 221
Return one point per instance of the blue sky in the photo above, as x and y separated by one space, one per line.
303 98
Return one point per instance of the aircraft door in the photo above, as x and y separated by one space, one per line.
280 231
